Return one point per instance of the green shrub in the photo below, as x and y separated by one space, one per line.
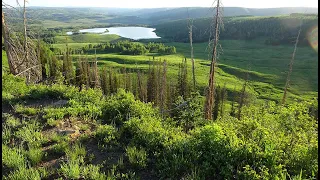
11 121
26 110
75 152
137 157
13 87
61 147
31 134
190 114
151 133
106 135
13 157
6 134
75 169
52 122
71 169
93 172
27 174
122 106
35 155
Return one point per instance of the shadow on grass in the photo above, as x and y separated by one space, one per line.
122 61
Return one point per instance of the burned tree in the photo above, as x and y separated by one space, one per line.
21 51
190 26
210 93
290 67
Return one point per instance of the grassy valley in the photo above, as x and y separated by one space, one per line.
107 107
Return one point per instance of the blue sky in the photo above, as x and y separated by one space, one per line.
168 3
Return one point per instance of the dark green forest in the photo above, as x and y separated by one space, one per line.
276 30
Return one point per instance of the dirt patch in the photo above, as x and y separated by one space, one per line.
40 103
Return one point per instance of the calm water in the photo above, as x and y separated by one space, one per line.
127 32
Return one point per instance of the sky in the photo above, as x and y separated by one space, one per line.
167 3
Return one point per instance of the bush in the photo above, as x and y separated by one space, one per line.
75 152
106 135
190 114
122 106
137 157
34 155
71 169
13 157
31 134
93 173
75 169
28 174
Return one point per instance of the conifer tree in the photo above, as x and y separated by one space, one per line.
54 67
79 74
128 81
68 70
223 98
243 96
115 81
104 81
86 70
182 87
233 113
111 87
140 88
158 84
151 84
216 102
163 87
96 71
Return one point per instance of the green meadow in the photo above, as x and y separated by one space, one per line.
266 65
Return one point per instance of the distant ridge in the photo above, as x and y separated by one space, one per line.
201 12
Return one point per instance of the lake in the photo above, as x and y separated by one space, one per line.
127 32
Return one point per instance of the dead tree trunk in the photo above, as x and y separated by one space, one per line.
210 95
7 47
26 39
190 25
163 87
290 68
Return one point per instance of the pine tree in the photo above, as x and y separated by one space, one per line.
111 87
86 70
54 67
96 71
163 87
151 84
79 73
233 112
224 96
182 86
140 88
216 102
128 81
104 81
115 81
243 97
158 84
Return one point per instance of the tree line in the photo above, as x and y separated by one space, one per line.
276 30
129 48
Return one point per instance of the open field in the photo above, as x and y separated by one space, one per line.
87 38
267 66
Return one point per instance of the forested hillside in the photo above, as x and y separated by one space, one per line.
90 17
276 30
